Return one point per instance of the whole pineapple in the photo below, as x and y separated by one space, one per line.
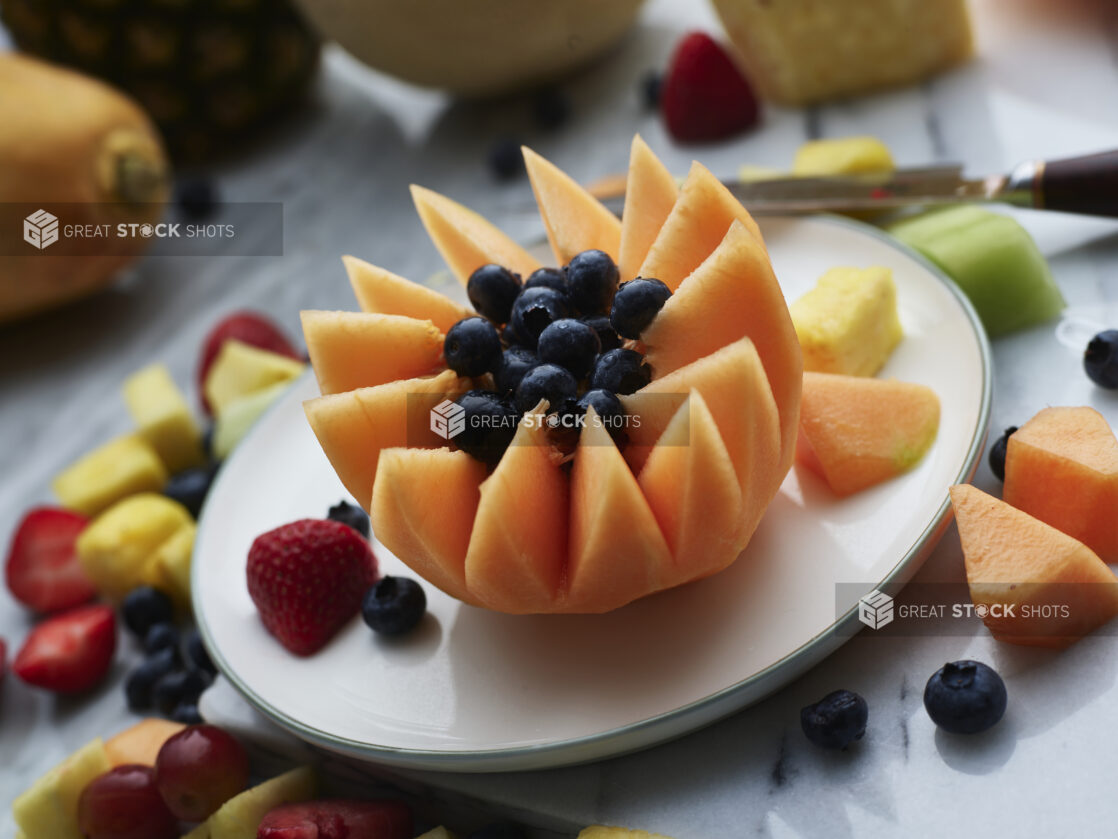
208 72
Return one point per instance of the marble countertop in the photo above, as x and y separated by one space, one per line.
1043 87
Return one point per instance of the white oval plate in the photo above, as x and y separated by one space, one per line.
474 690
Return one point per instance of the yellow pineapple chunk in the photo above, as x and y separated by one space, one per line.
599 831
843 156
49 809
121 467
848 323
240 816
241 370
160 412
169 567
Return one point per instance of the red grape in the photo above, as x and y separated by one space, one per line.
199 769
124 803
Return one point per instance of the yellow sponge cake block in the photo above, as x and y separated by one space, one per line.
848 323
804 51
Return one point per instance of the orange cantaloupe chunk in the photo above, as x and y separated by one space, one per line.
734 293
358 349
1048 588
352 427
382 292
617 551
1062 468
141 743
697 224
467 240
575 220
650 194
857 432
423 509
516 563
693 491
734 386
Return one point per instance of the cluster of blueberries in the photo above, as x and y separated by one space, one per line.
556 336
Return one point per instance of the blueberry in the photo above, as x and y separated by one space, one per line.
492 290
997 453
636 304
620 371
490 422
651 84
1100 359
592 281
553 278
836 720
394 605
351 515
533 310
196 654
515 362
144 607
548 381
511 338
139 683
550 108
197 198
187 714
571 344
162 636
190 487
472 347
177 687
965 697
607 336
609 409
499 831
505 158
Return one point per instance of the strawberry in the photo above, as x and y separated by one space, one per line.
704 95
307 579
42 569
248 327
70 652
338 820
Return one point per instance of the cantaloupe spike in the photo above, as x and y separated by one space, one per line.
1062 467
693 491
696 226
518 551
858 432
356 349
382 292
650 194
574 219
736 390
1014 560
617 551
423 508
466 239
352 427
732 294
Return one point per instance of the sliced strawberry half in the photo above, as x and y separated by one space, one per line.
69 653
704 95
247 327
42 569
338 819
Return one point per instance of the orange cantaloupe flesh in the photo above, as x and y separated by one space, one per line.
693 492
467 240
574 219
697 224
516 560
354 426
857 432
737 393
1014 560
734 293
1062 467
382 292
617 550
141 743
358 349
423 508
650 194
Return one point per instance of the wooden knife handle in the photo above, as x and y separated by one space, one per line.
1087 185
